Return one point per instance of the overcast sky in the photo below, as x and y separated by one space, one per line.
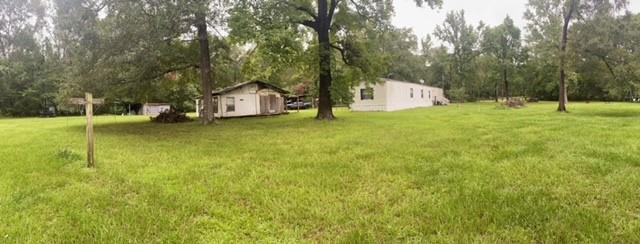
423 21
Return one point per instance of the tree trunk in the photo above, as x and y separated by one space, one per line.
497 90
506 84
205 70
562 105
562 96
325 108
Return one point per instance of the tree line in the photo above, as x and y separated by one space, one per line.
174 51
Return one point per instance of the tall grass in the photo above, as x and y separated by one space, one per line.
463 173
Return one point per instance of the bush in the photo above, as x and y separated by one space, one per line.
533 100
458 95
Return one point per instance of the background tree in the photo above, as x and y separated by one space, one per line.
462 39
503 43
401 55
25 59
136 44
132 52
438 66
605 45
549 19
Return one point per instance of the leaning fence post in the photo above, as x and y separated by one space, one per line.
91 161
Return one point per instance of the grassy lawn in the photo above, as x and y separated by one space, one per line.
463 173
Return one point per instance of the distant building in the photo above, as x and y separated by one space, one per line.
253 98
393 95
154 109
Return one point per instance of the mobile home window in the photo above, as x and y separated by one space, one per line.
429 94
411 93
421 93
366 94
231 104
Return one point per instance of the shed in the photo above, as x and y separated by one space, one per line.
393 95
154 109
252 98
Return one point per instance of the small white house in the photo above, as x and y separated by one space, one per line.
154 109
253 98
393 95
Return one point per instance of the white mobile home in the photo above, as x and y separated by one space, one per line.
393 95
253 98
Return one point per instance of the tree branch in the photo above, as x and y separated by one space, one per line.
311 24
159 74
332 8
343 52
359 8
606 63
306 10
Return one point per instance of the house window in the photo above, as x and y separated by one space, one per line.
231 104
411 93
421 93
366 94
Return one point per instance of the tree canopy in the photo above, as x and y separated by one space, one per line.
132 52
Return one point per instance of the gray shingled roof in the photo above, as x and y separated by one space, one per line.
260 83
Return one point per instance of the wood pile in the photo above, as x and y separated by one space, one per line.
515 103
171 116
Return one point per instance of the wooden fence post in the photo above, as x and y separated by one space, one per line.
91 161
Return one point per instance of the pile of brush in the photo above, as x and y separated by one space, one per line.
171 116
515 103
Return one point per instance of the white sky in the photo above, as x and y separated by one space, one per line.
424 20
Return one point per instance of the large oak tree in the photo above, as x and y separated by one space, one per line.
334 24
552 19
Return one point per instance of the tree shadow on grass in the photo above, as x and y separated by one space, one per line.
135 128
148 129
613 113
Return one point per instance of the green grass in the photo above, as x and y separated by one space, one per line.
463 173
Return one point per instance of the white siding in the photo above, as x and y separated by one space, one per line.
154 110
379 102
247 101
244 105
399 96
393 95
